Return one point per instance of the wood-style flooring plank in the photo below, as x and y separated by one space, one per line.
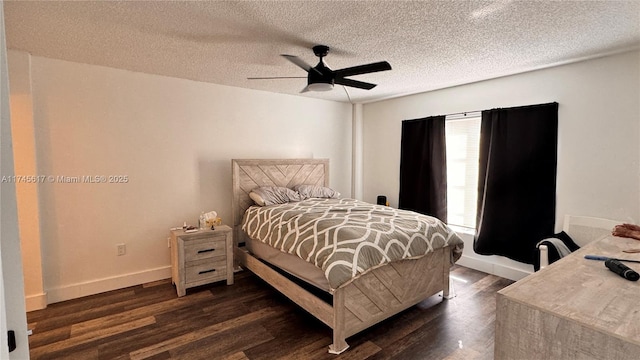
251 321
235 356
231 341
91 336
126 316
200 334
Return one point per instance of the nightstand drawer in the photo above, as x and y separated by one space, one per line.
204 248
206 270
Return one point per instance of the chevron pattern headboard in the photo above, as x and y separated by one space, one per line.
250 174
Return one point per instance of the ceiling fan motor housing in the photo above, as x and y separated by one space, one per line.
322 75
321 51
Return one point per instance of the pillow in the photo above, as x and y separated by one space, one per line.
315 191
271 195
256 198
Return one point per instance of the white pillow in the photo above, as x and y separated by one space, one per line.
256 198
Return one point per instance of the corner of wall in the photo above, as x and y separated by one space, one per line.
24 155
357 152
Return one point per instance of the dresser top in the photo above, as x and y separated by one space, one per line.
586 291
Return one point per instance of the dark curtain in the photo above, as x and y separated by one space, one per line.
423 168
517 180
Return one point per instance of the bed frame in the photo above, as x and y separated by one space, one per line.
369 299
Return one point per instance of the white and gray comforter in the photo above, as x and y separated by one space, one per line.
346 237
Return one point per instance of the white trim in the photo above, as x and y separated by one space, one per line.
462 229
4 344
36 302
97 286
490 264
490 267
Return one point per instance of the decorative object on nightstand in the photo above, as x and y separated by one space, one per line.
208 220
201 257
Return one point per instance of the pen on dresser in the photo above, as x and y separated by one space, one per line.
604 258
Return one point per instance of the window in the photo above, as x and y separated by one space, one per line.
463 144
446 149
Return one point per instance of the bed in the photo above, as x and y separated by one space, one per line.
355 303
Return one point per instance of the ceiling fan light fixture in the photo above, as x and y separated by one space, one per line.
320 87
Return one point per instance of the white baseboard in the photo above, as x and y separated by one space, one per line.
35 302
97 286
493 268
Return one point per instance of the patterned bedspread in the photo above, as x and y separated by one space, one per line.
346 237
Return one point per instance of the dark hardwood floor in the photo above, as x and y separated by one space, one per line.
250 320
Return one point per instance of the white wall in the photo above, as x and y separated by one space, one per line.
598 146
174 140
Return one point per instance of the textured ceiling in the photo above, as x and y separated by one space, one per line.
430 44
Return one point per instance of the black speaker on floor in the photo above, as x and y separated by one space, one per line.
382 200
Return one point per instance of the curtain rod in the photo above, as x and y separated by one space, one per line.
463 115
454 116
479 112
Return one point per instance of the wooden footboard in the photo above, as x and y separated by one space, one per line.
371 298
385 291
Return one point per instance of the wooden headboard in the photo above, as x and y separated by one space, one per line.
250 174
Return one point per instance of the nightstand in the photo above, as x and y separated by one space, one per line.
201 257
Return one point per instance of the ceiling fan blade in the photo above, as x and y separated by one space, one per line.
355 83
276 77
363 69
296 60
301 63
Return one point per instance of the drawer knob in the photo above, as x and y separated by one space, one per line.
205 251
206 271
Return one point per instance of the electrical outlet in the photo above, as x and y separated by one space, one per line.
122 249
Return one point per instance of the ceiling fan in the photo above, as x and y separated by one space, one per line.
322 78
